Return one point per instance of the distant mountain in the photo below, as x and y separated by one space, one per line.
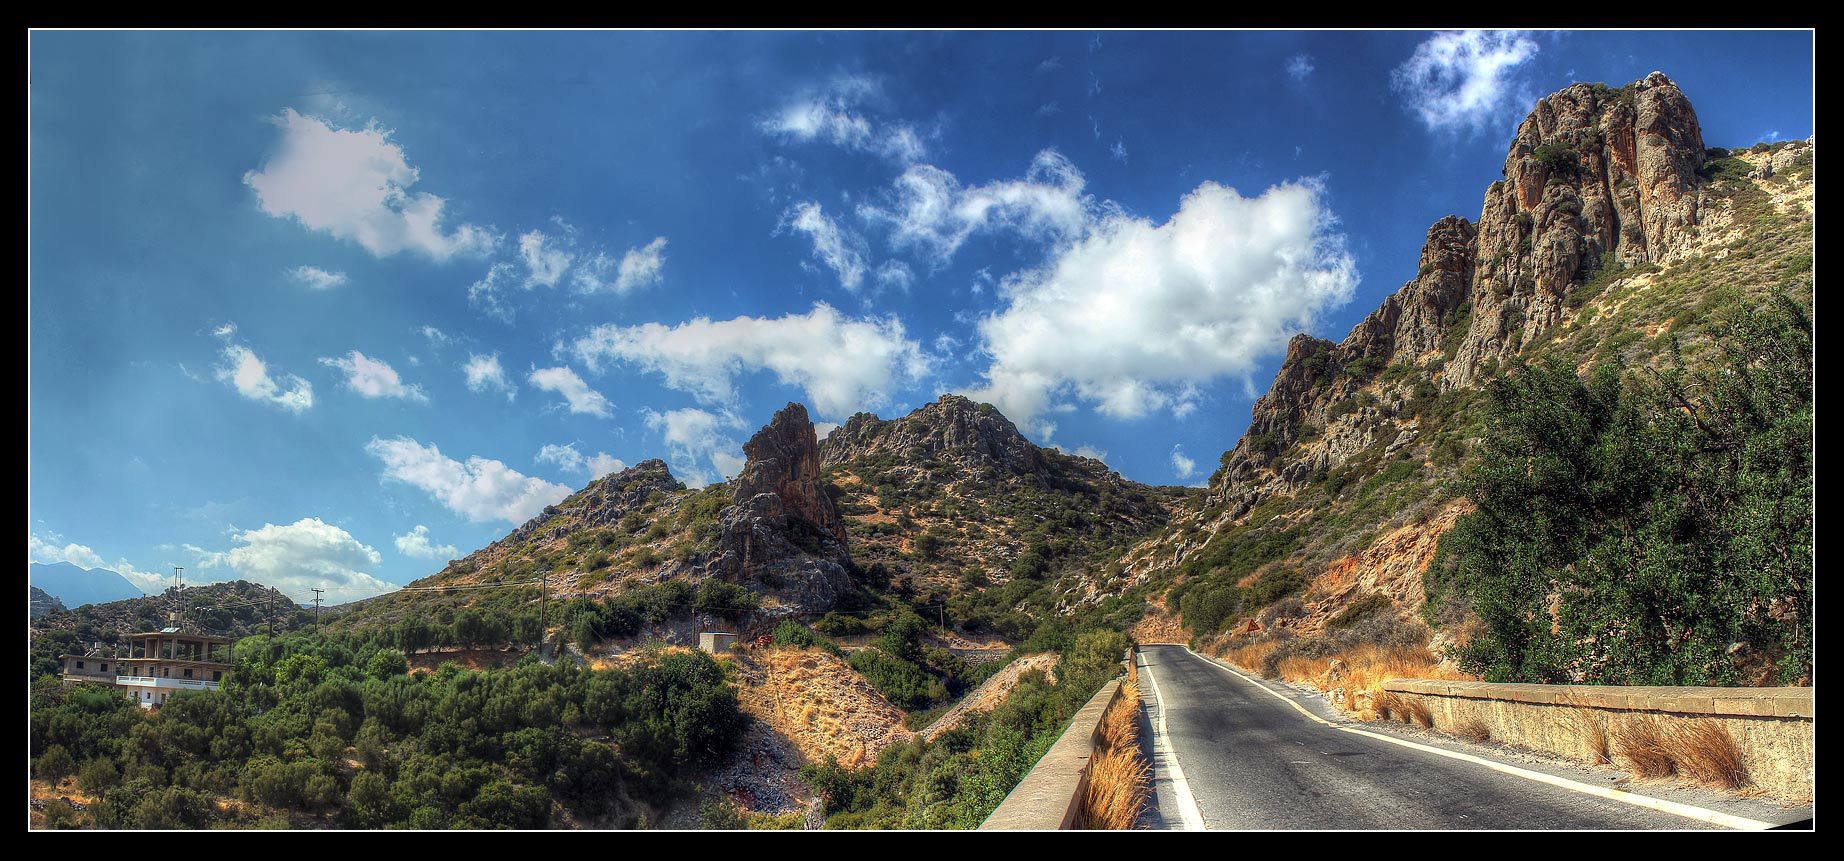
77 586
39 602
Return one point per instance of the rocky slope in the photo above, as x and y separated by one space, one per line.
1614 232
947 502
39 602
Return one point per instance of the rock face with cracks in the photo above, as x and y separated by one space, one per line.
784 530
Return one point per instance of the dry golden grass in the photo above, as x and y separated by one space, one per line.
1640 742
1418 712
1388 706
1706 753
1472 729
1366 668
1586 723
1118 779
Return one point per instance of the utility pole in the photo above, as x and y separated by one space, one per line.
316 609
177 588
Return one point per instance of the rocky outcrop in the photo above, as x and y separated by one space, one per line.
1594 176
952 429
600 505
39 602
784 531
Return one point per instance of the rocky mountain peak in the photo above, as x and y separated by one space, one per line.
784 528
784 460
953 429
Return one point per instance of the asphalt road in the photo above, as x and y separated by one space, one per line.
1253 762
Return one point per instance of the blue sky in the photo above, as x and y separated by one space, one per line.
332 308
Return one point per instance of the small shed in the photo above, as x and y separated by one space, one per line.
715 642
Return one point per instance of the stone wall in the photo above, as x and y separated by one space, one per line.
1773 727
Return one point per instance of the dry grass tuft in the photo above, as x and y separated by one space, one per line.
1586 723
1418 712
1388 706
1118 779
1706 753
1472 729
1640 741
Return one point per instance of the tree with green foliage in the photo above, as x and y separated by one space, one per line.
1648 529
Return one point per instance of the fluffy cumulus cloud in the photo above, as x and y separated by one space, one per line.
568 459
576 393
52 549
1182 466
418 545
1300 67
548 259
843 364
640 267
929 211
485 374
299 557
545 262
373 378
355 184
1160 310
836 115
841 250
1463 79
1090 451
703 450
479 490
316 278
249 375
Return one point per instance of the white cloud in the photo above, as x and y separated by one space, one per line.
568 459
844 365
577 393
1158 310
641 267
417 544
436 338
832 116
840 250
544 261
48 551
895 274
250 377
1182 466
355 184
824 429
928 209
1091 451
316 278
1300 66
486 295
484 373
305 555
374 378
1118 151
1049 109
1463 79
480 489
697 438
76 554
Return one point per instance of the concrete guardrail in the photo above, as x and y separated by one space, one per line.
1772 727
1049 798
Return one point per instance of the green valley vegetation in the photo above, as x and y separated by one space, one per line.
1649 528
320 732
959 778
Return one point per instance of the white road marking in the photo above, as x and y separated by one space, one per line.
1187 803
1672 807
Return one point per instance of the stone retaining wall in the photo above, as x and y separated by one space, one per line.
1050 796
1771 726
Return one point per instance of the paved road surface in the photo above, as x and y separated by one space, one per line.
1253 762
